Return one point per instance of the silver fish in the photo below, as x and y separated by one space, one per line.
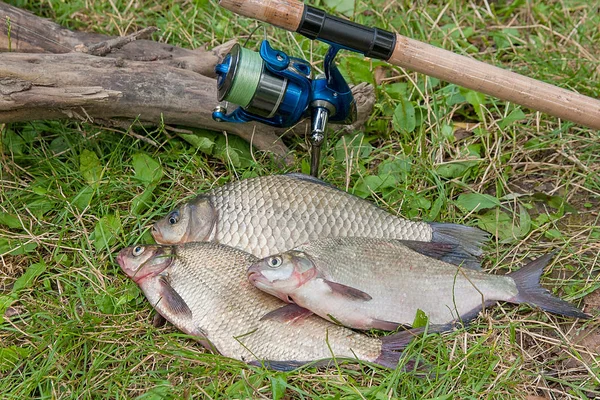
202 289
272 214
375 283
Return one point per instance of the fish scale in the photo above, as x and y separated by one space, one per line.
368 283
271 214
227 310
375 269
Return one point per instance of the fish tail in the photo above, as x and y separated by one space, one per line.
527 280
471 239
393 345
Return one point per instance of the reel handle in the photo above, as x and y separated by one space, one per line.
408 53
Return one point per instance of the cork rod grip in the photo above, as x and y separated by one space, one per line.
285 14
503 84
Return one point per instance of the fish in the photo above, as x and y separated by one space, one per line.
201 288
366 283
271 214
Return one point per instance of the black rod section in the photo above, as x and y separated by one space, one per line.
372 42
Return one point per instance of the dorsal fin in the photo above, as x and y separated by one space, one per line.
312 179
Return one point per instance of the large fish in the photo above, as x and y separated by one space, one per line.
375 283
272 214
202 289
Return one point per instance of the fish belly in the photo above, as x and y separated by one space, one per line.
442 299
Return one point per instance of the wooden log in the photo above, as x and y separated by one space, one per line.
84 87
32 34
24 32
136 80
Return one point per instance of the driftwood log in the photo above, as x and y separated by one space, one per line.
50 72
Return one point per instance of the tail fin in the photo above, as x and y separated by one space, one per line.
527 280
393 345
469 238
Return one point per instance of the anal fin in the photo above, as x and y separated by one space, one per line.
290 365
385 325
284 366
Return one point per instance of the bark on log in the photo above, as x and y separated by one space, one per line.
140 80
32 34
41 86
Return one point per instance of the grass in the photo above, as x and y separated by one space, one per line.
73 194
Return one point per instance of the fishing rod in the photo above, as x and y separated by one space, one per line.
273 88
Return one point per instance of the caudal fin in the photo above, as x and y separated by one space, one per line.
527 280
469 238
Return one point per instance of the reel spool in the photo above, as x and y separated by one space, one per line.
272 88
269 86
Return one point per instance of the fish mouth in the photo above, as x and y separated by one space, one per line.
263 284
259 280
120 260
157 234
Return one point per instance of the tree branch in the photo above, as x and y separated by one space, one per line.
96 77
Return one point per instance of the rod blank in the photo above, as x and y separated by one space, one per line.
497 82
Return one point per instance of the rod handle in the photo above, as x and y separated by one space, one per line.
491 80
285 14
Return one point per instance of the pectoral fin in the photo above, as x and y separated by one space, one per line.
172 301
287 314
158 320
347 291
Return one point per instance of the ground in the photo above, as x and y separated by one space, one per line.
73 194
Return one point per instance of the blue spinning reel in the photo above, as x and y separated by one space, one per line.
272 88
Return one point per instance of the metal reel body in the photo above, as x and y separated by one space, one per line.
272 88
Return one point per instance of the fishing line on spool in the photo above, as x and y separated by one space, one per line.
246 79
248 75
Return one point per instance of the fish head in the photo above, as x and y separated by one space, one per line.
141 262
281 274
190 222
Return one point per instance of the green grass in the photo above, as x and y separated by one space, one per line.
73 194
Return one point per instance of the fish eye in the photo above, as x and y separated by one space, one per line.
137 251
274 262
174 217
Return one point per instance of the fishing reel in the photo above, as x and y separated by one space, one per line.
278 90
